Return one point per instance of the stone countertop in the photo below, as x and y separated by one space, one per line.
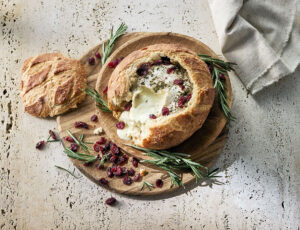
260 164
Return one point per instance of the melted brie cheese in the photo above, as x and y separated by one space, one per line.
144 102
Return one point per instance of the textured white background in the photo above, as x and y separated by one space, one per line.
260 164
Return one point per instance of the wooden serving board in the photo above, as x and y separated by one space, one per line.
204 146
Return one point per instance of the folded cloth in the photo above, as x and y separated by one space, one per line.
261 36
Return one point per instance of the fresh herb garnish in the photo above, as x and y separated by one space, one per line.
219 67
99 100
72 173
79 142
106 50
48 139
147 185
172 162
103 159
86 158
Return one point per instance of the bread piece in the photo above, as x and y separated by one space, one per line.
145 81
52 84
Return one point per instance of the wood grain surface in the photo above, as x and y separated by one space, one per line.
204 146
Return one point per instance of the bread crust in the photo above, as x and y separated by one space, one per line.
52 84
166 131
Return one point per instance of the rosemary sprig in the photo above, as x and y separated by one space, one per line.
61 168
174 162
86 158
106 50
79 142
103 159
147 185
219 67
99 100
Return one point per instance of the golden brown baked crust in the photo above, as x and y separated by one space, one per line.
52 84
167 131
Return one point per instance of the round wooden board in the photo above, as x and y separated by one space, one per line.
204 146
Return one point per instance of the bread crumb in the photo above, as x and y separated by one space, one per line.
98 131
143 172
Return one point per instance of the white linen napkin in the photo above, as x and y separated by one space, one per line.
261 36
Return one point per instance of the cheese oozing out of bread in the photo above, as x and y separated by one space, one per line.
150 94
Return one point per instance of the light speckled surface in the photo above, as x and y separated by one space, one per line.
260 163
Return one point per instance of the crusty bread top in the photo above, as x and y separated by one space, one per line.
52 84
166 131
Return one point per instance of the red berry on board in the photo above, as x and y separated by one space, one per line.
120 125
103 181
137 177
81 124
135 162
69 139
94 118
159 183
127 180
91 61
74 147
105 90
98 55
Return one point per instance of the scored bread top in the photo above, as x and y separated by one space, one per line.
52 84
165 131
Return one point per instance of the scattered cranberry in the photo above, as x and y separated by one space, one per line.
178 82
222 76
69 139
182 87
105 90
103 181
92 61
118 171
114 63
135 162
114 159
98 55
74 147
131 172
152 116
127 180
120 125
109 172
128 106
40 145
165 60
122 159
182 100
114 149
98 148
111 201
102 141
124 171
87 164
159 183
157 62
171 70
143 69
94 118
52 135
137 177
100 166
106 147
165 111
188 97
81 124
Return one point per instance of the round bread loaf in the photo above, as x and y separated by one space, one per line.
52 84
161 94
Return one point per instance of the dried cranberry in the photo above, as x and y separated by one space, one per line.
52 135
165 60
188 97
114 149
131 172
98 148
182 87
111 201
118 171
137 177
40 145
106 147
94 118
105 90
157 62
135 162
182 100
165 111
92 61
99 166
114 159
101 141
178 82
222 76
124 170
152 116
98 55
128 106
127 180
81 124
120 125
103 181
109 172
114 63
87 164
74 147
143 69
69 139
122 159
210 67
171 69
159 183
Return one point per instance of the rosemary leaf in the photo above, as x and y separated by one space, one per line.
147 185
79 142
107 48
101 104
61 168
219 67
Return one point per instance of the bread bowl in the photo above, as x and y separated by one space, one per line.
161 94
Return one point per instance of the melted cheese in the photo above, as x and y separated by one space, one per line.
144 102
